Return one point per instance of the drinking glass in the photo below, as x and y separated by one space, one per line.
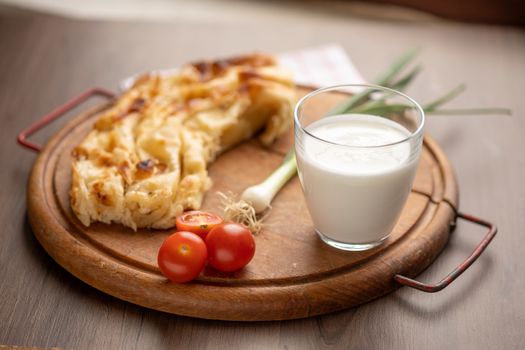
357 149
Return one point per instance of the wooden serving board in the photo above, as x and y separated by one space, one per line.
293 274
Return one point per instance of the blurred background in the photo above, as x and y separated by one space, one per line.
511 12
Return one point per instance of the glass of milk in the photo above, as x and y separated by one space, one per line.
357 166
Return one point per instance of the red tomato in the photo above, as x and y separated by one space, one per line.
198 222
182 256
230 247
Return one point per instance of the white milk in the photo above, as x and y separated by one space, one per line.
355 195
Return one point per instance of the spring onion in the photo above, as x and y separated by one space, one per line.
260 196
257 199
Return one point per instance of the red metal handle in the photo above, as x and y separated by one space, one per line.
432 288
56 113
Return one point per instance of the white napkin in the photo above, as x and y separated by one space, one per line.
321 66
317 67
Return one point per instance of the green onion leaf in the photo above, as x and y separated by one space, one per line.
396 67
384 79
445 98
402 83
471 111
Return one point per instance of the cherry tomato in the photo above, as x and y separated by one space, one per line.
198 222
182 256
230 247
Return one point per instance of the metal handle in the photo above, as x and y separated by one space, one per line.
432 288
56 113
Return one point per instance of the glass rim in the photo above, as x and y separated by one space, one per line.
311 94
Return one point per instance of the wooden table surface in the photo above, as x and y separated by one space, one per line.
44 60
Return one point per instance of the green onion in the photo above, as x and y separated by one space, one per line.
260 196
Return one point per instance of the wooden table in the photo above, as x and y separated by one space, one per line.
45 60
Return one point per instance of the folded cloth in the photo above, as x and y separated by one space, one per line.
317 67
321 66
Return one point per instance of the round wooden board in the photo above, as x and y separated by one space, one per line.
292 275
